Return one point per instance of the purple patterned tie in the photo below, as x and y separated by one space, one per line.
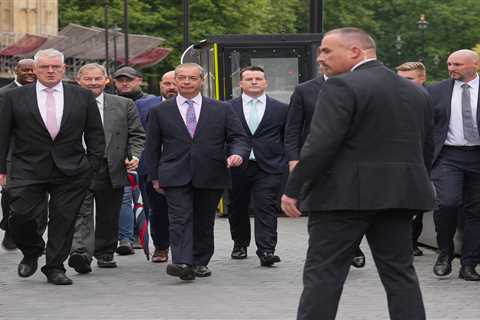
52 126
191 118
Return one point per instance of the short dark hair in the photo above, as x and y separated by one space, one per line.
251 68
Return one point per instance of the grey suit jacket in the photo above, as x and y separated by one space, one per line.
124 136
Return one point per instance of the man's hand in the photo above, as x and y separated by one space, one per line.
234 161
289 206
131 165
3 180
292 164
156 186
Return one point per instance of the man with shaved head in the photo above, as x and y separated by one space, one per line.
363 170
456 163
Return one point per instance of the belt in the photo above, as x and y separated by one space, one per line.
462 148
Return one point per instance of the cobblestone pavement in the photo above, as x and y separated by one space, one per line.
139 289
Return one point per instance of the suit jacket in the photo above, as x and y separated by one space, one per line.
34 153
8 87
300 112
124 136
370 145
267 141
441 94
175 159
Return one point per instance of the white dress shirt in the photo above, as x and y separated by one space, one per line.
100 104
42 101
261 105
362 62
455 128
183 106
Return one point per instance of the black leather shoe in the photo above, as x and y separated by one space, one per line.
80 263
239 253
27 267
443 266
106 261
183 271
468 273
267 259
58 278
417 252
202 271
8 243
358 260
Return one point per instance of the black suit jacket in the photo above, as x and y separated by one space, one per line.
370 144
300 112
34 154
267 141
8 87
441 94
175 159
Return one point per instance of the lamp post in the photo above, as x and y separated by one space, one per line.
115 35
125 30
398 45
105 16
186 23
422 25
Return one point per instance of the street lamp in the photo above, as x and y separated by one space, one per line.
422 25
399 44
115 34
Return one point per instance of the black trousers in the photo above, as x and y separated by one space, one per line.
417 227
263 188
456 176
334 236
100 238
157 208
27 206
191 213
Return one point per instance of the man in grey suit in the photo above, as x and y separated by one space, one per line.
124 139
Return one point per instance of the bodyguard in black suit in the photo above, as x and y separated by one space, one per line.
124 139
365 171
263 118
456 163
47 121
300 113
185 151
23 75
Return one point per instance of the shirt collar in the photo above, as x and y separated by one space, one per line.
196 100
472 83
362 62
100 98
247 99
17 83
58 87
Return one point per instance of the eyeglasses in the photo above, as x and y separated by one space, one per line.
185 78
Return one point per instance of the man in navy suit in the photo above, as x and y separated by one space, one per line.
456 163
186 142
260 178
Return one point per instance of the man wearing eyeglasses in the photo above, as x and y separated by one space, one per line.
185 151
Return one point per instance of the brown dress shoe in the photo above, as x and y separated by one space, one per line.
160 255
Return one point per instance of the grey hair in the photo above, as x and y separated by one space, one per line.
190 65
90 66
355 36
49 53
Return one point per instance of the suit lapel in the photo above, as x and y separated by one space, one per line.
179 118
266 115
202 117
68 101
448 104
32 97
107 118
238 105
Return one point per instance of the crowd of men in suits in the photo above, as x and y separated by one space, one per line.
360 144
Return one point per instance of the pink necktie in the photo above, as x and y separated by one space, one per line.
52 126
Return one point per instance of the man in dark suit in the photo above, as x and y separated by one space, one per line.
365 170
186 141
416 72
456 163
300 113
23 75
124 137
47 121
263 118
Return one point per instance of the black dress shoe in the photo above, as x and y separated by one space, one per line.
58 278
417 252
106 261
239 253
443 266
358 260
27 267
468 273
267 259
202 271
8 243
80 263
183 271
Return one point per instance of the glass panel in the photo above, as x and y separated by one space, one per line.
235 73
